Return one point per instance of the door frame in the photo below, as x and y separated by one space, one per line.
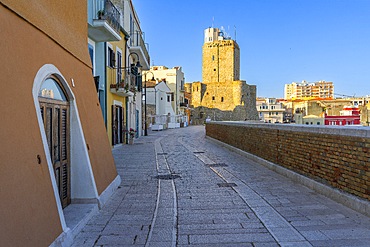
83 187
117 116
56 136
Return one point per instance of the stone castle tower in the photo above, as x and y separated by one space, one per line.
222 96
221 57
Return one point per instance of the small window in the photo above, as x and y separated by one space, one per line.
111 58
222 99
213 58
318 123
168 98
213 97
214 69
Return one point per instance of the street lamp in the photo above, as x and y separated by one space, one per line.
145 123
138 65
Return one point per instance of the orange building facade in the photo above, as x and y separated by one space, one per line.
56 158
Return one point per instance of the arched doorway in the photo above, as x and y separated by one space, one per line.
54 108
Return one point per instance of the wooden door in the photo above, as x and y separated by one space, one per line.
117 125
55 116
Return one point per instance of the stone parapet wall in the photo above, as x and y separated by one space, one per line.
335 156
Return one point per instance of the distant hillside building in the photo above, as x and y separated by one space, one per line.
222 95
309 90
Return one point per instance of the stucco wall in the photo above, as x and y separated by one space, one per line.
29 213
339 157
63 21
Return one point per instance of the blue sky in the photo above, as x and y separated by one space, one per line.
280 41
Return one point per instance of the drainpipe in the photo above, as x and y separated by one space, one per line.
105 85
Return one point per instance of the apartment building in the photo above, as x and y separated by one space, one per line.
309 90
137 60
270 110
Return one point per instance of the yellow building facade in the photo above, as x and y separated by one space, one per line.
119 91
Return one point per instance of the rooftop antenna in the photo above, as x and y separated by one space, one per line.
235 32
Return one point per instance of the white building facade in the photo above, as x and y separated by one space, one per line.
270 110
175 80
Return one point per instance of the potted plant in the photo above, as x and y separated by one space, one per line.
122 83
100 14
131 134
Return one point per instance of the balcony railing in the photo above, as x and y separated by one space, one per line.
124 83
138 41
123 88
105 10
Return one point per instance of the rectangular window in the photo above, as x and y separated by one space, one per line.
91 53
119 65
110 57
213 97
168 98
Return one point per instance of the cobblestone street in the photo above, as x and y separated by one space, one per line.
181 189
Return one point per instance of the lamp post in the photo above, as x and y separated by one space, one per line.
145 123
135 67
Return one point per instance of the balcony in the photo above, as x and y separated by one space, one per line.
138 46
104 21
122 89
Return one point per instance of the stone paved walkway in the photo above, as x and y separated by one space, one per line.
180 189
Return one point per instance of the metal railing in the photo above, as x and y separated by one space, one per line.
119 79
105 10
122 79
137 40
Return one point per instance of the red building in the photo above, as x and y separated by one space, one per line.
350 115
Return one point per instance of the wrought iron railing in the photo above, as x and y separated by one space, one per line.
121 79
105 10
137 40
